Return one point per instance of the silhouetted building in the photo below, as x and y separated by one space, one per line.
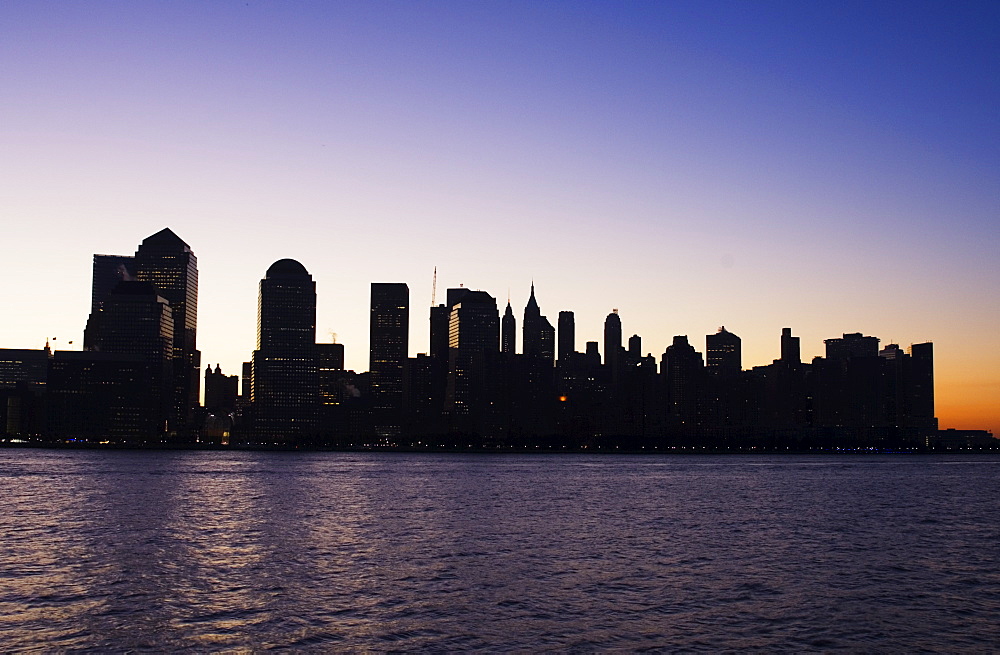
23 378
440 316
790 350
473 365
169 264
23 366
920 392
723 352
539 335
508 332
851 345
221 397
246 382
109 270
422 400
682 369
613 346
330 356
221 390
390 331
285 392
105 396
330 368
135 320
780 396
567 334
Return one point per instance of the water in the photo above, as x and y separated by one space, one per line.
211 551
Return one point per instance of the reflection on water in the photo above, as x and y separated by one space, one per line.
208 551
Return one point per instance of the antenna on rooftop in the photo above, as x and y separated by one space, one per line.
434 288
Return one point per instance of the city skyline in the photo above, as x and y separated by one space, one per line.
693 165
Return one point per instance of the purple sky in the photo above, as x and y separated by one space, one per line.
828 166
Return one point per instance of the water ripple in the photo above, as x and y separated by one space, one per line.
241 552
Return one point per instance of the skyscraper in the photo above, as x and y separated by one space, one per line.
681 368
790 349
109 270
920 383
169 264
539 335
124 384
508 332
285 391
440 315
473 348
567 335
389 332
613 345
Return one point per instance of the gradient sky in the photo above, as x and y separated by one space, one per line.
826 166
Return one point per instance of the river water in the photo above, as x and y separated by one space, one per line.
204 551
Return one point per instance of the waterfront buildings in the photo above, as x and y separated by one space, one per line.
131 383
284 394
389 345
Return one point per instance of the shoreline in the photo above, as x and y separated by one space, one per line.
510 450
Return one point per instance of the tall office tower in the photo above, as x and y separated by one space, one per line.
390 331
440 316
473 363
539 335
851 345
136 320
246 383
168 263
567 335
508 332
440 325
285 391
681 368
613 344
723 352
109 270
790 351
593 353
920 383
133 331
